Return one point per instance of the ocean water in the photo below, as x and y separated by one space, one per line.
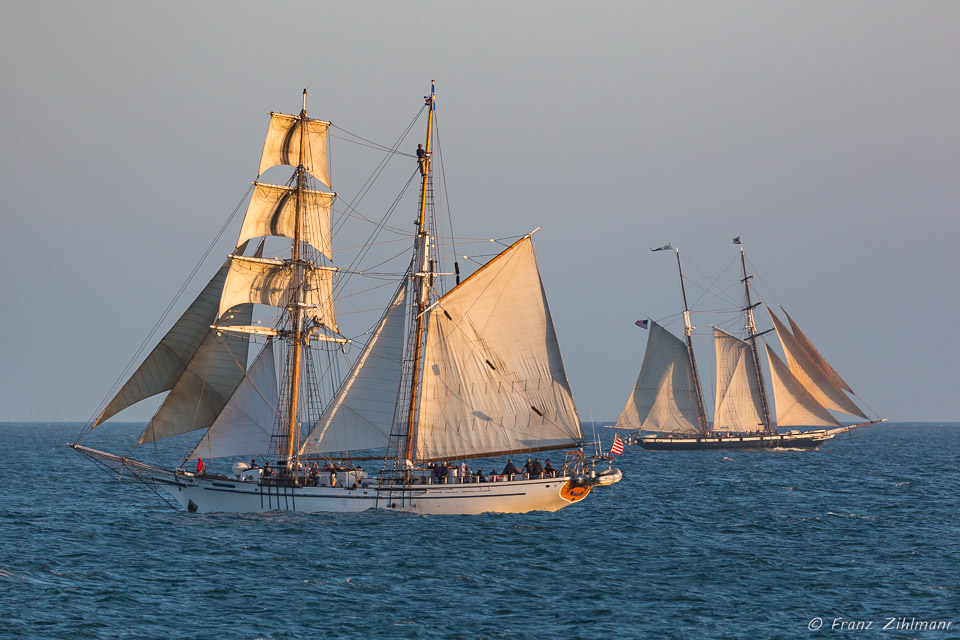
689 545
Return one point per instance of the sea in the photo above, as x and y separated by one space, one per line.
860 539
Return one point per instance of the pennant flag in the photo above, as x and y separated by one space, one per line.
737 240
665 247
643 324
617 448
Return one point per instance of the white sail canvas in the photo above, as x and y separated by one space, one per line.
493 379
361 415
738 404
664 398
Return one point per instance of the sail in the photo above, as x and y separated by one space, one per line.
282 145
263 281
815 356
246 422
161 369
665 397
361 415
273 212
205 385
796 407
493 378
811 375
739 406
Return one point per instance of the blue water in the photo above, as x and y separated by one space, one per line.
688 545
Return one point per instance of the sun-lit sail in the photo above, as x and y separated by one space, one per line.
738 405
248 419
361 415
493 378
282 145
807 367
664 398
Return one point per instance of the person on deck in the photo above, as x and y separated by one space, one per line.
267 470
527 467
548 469
510 470
536 469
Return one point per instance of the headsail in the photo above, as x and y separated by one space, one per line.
189 340
796 407
738 405
282 145
493 378
246 423
665 397
361 415
807 369
814 355
273 212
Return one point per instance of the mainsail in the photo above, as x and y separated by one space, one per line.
665 397
738 405
493 378
361 415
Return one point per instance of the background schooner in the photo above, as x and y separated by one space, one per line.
668 398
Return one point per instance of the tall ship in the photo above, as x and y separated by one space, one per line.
445 376
667 406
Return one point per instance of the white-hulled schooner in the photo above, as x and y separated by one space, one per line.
667 400
471 373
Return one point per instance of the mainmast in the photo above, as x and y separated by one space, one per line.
420 277
752 338
297 316
688 332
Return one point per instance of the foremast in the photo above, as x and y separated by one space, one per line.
296 335
752 335
421 280
688 333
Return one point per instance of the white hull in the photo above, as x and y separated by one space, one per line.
208 495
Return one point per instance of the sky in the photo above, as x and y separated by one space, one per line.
825 134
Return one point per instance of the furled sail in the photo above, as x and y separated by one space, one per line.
273 212
282 145
246 422
738 406
808 371
264 281
493 378
665 397
361 415
161 369
796 407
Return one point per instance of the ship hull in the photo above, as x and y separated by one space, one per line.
781 441
206 495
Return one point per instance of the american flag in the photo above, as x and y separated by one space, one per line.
666 247
643 324
617 448
737 240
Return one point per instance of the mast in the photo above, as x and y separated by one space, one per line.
688 332
420 278
752 339
297 329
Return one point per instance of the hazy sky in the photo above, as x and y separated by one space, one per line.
827 134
